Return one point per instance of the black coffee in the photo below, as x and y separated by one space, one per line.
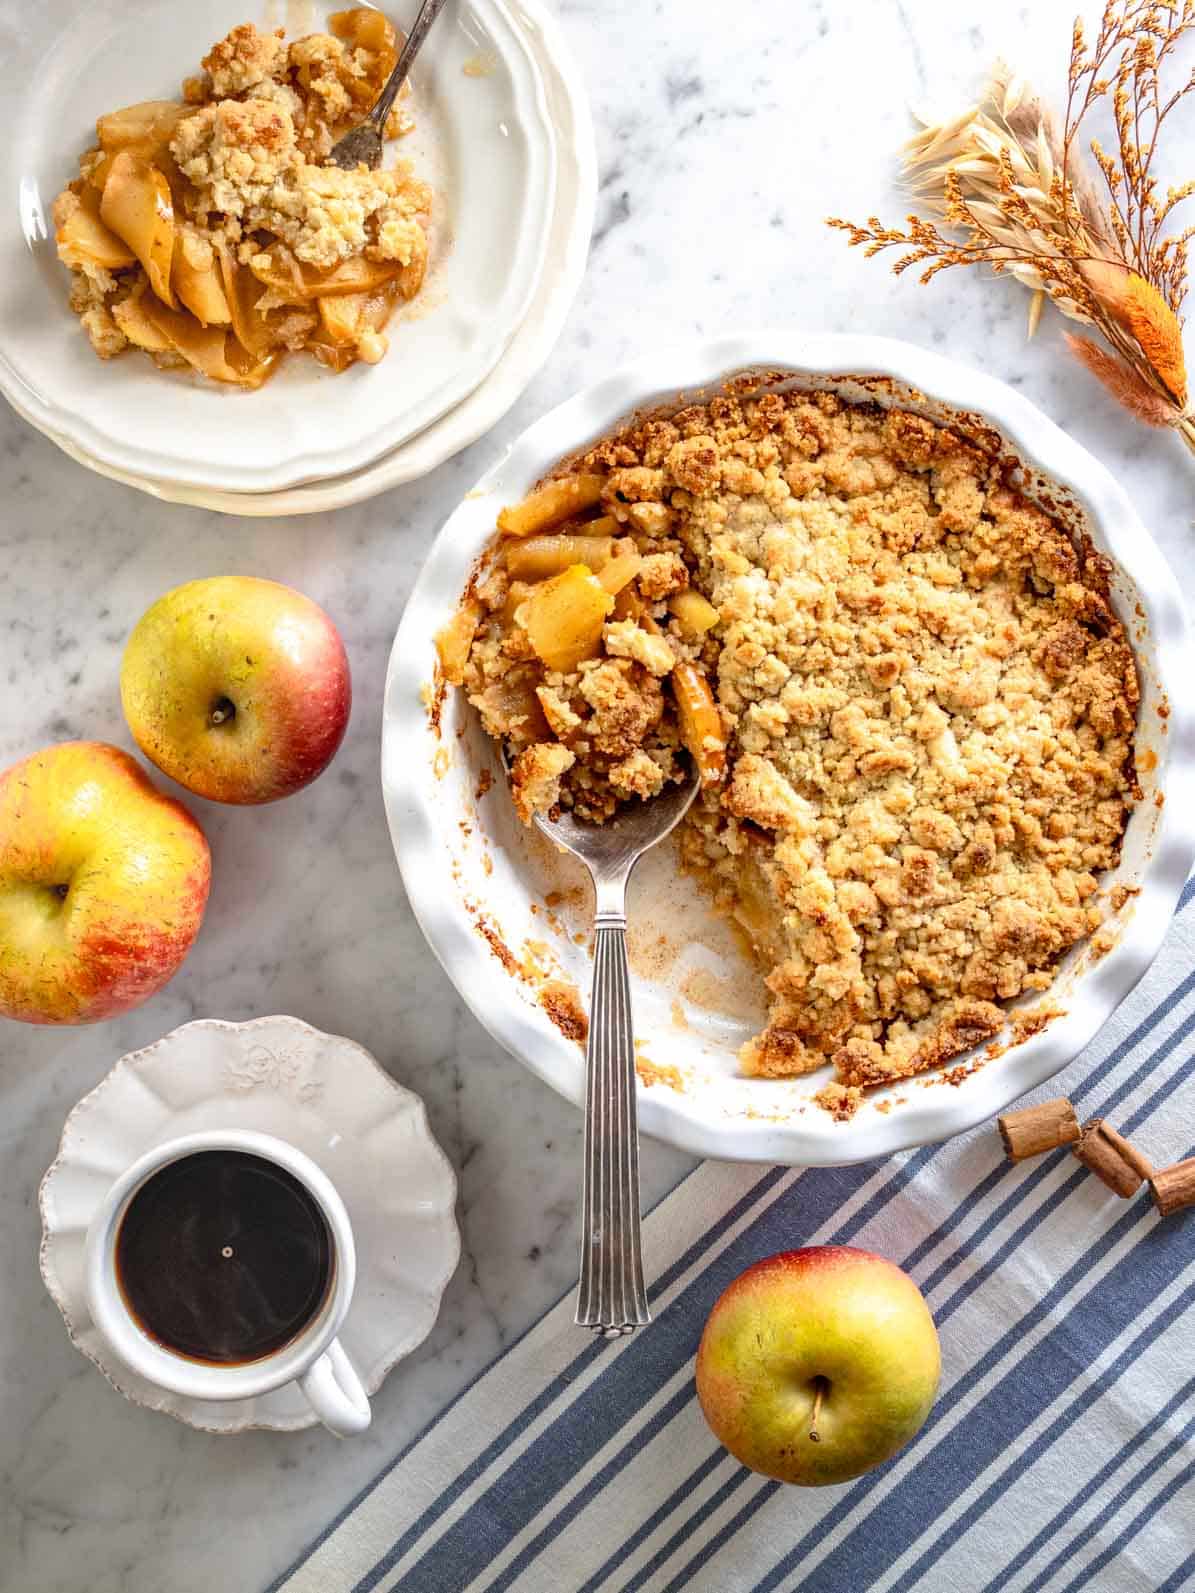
223 1257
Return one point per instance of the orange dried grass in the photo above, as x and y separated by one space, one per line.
1122 381
1007 177
1158 332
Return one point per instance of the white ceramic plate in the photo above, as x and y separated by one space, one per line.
479 882
483 141
321 1093
564 267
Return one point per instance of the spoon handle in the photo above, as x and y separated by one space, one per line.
428 12
611 1297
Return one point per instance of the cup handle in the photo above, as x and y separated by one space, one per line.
335 1393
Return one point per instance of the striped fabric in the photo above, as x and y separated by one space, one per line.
1060 1454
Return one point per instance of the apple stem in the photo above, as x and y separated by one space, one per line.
820 1388
222 711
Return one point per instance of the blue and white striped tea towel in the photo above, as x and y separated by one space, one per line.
1060 1455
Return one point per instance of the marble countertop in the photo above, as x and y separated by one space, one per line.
721 147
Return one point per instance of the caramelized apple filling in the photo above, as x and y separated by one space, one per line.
207 233
908 695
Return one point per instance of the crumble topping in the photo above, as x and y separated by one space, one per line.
242 60
918 757
842 1101
92 289
245 162
535 777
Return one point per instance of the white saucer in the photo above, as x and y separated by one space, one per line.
483 139
320 1092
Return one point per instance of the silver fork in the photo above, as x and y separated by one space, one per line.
363 143
611 1297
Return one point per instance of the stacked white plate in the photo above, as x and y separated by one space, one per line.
503 136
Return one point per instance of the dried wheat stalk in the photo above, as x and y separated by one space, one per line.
1008 177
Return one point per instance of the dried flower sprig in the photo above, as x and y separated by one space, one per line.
1013 181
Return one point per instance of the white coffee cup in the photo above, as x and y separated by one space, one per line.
314 1358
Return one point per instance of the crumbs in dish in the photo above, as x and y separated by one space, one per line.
905 688
209 233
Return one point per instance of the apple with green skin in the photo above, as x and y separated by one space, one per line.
816 1365
237 688
103 883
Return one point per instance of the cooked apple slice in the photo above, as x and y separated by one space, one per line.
695 613
537 558
204 347
82 237
243 291
251 369
379 305
700 723
349 328
336 356
629 605
622 568
195 278
98 165
97 170
341 322
564 617
548 505
454 640
132 320
200 291
137 206
342 316
355 275
410 277
145 129
279 270
377 308
364 28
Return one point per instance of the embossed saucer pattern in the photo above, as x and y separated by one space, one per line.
320 1092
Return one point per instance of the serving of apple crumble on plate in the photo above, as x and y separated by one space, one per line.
903 683
209 233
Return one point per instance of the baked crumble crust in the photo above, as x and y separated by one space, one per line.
926 700
242 60
250 175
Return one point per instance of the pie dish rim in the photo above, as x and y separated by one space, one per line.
414 790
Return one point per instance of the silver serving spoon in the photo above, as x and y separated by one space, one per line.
362 145
611 1297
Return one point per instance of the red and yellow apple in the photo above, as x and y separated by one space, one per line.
816 1365
237 688
103 883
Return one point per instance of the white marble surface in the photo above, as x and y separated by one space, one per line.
725 135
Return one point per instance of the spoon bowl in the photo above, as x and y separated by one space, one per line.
611 1297
612 849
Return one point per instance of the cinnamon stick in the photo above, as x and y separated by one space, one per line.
1036 1129
1173 1188
1112 1158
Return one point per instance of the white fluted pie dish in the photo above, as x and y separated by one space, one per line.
507 917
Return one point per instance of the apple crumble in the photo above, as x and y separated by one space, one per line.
208 233
905 688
